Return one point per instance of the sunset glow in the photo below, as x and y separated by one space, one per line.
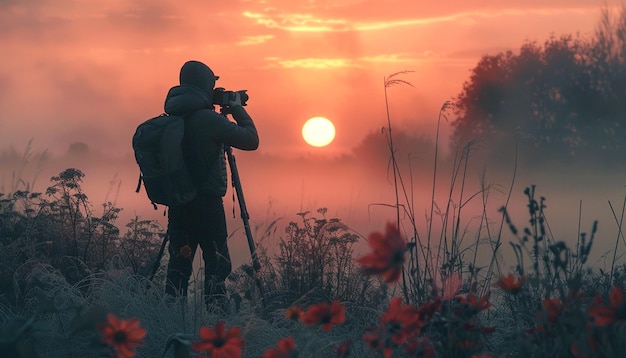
95 70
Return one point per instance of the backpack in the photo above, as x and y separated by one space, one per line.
158 147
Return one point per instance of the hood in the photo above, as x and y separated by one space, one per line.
199 75
185 98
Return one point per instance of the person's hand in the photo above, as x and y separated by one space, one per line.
236 101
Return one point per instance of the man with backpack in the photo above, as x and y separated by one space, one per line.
202 221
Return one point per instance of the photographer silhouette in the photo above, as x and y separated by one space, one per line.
202 222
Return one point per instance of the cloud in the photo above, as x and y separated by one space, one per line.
310 22
117 25
393 57
409 58
315 63
254 40
298 22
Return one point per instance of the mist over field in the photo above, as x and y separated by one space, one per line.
358 189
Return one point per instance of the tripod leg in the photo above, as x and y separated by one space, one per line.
157 261
244 216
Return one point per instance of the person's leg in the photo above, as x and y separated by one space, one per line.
181 249
217 264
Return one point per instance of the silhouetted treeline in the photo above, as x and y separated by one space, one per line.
563 102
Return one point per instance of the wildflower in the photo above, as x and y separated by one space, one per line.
469 326
511 284
325 314
603 315
575 351
469 345
419 347
286 348
536 333
387 258
124 336
582 350
553 307
470 305
218 342
294 313
343 350
427 310
376 343
401 321
185 251
479 304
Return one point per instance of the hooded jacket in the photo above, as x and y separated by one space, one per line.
206 132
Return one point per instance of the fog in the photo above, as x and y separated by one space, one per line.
358 189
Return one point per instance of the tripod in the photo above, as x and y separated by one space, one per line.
245 218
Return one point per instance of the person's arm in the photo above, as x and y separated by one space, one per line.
242 135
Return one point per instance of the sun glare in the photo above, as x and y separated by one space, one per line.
318 132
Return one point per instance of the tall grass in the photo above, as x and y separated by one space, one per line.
434 256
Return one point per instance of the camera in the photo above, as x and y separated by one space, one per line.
222 97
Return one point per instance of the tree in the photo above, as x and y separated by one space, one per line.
561 101
373 151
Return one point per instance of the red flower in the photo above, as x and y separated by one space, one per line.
468 345
376 343
286 348
511 283
479 304
293 313
427 310
123 336
387 258
325 314
185 251
401 321
580 350
575 352
471 305
343 350
218 342
553 307
419 347
603 315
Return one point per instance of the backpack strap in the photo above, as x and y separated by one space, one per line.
139 188
139 183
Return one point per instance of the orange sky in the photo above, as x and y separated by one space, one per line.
92 70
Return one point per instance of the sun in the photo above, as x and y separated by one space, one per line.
318 132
